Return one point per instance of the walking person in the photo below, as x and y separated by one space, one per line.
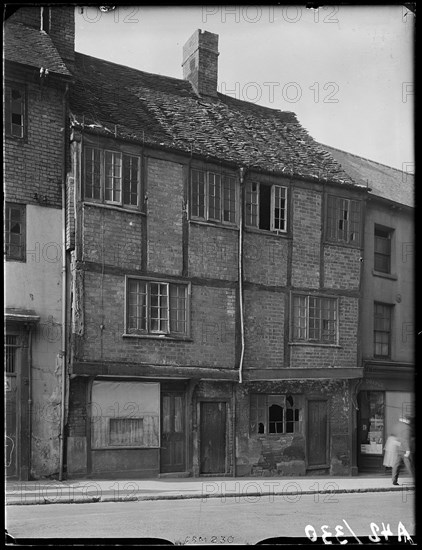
402 432
390 451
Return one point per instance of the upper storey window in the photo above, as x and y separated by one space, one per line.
15 111
343 220
112 177
213 197
266 207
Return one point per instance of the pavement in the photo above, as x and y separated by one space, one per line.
48 491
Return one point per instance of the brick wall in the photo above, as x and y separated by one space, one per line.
341 267
213 252
35 165
111 236
212 327
265 259
307 225
164 221
264 329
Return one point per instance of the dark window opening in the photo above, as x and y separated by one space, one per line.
275 418
45 19
265 207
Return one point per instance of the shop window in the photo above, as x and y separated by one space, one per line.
372 411
275 414
128 432
343 220
125 414
382 249
266 207
382 329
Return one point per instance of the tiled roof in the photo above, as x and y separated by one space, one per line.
113 99
33 47
383 181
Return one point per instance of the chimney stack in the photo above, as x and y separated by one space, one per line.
200 62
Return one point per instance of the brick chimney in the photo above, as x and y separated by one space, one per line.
57 21
200 62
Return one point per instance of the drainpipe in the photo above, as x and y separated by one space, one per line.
29 401
240 267
64 291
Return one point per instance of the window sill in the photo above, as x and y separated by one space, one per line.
342 244
114 207
159 337
266 232
390 276
123 448
313 344
218 225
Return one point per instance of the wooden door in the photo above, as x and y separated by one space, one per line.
213 438
317 433
173 433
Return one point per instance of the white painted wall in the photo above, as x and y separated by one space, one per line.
37 285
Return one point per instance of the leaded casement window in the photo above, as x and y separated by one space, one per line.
154 307
275 414
266 207
213 197
15 232
112 177
382 249
382 329
343 220
315 319
14 111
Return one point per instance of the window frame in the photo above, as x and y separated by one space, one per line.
147 332
333 227
249 215
9 85
390 309
102 174
306 340
389 238
22 208
256 403
223 177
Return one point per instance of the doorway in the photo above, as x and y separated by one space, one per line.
213 437
317 433
173 432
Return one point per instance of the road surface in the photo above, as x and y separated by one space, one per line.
243 520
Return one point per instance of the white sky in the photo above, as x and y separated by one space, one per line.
346 71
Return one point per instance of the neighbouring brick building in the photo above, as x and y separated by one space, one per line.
387 326
38 58
215 251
